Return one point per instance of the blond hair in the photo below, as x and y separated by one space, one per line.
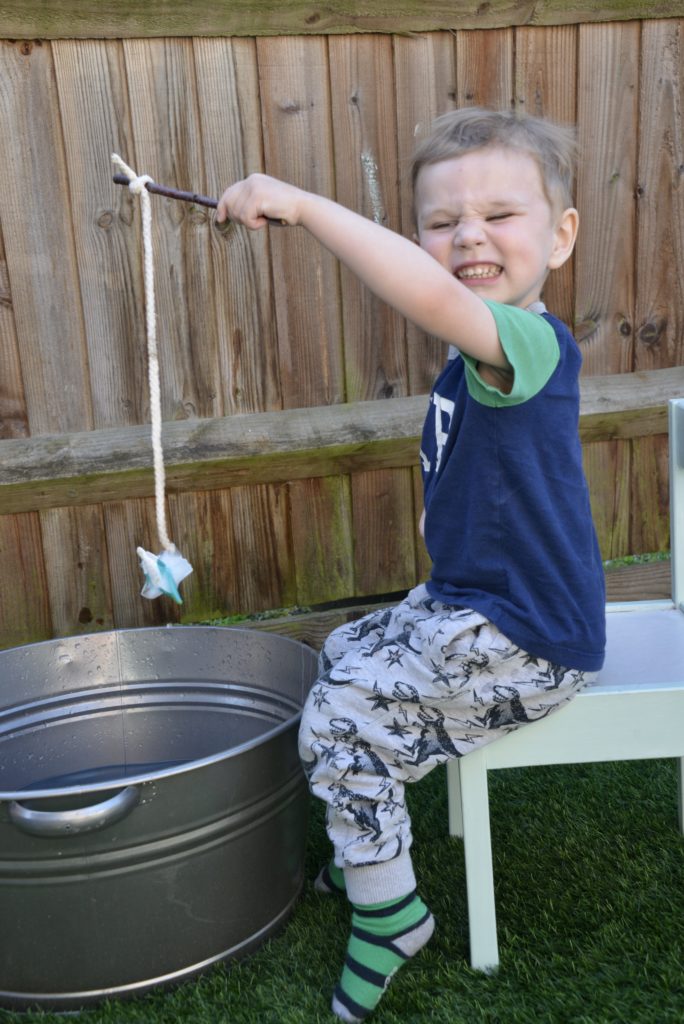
552 146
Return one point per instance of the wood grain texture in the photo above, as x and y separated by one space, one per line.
484 68
425 82
106 226
607 110
296 109
78 584
168 147
13 414
39 246
322 539
295 97
659 320
31 19
232 147
659 308
384 531
545 86
247 564
24 602
364 140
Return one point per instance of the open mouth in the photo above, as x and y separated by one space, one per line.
478 272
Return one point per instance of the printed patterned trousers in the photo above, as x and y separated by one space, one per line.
402 690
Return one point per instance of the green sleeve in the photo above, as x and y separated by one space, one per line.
531 348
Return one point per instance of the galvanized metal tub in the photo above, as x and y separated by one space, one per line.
152 807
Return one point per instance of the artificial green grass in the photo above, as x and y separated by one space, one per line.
589 869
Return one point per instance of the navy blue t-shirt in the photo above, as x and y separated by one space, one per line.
508 522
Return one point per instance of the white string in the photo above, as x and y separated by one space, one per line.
136 184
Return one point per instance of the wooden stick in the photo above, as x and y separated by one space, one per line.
186 197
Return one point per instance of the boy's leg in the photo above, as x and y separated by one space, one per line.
434 685
358 635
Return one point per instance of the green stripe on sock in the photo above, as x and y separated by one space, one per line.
376 919
336 876
371 957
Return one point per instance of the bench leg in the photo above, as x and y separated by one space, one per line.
454 797
680 793
477 843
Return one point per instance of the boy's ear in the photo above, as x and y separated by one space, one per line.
564 238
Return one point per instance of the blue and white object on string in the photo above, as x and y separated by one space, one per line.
163 573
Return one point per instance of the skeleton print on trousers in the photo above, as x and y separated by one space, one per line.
402 690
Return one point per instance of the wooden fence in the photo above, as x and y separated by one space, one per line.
291 397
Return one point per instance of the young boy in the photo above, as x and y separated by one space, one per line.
511 623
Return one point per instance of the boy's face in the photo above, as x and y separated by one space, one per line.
484 216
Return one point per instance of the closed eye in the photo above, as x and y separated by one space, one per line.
499 216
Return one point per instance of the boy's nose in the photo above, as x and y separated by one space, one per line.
468 232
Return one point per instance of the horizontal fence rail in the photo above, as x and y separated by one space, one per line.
105 465
80 19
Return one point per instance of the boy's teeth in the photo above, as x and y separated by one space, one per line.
473 272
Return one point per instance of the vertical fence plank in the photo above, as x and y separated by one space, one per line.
295 95
659 337
230 122
108 246
43 268
425 82
425 77
238 545
323 539
77 569
364 130
264 565
545 85
659 317
34 211
607 113
168 146
24 605
384 531
251 566
13 415
484 68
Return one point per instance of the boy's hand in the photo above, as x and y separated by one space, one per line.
259 199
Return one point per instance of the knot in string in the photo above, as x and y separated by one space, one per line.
136 185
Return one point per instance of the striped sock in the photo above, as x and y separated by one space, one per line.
384 936
330 880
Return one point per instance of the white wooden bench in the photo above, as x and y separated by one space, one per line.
634 710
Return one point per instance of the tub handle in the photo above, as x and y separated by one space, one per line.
50 824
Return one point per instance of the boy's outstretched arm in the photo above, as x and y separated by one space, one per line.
394 268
